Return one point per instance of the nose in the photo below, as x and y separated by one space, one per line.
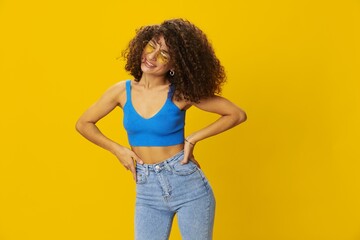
153 55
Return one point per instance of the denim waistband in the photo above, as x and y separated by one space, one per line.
161 165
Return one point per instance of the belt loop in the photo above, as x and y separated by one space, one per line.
147 170
167 166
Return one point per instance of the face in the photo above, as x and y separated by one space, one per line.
155 58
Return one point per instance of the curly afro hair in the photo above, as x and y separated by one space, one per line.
198 72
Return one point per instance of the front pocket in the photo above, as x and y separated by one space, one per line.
184 169
141 178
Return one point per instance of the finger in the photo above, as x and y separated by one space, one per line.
137 160
185 160
133 171
140 161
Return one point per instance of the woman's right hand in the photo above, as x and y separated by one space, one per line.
128 159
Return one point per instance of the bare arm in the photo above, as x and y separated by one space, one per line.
231 115
86 125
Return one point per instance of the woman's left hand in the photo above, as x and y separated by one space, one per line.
188 153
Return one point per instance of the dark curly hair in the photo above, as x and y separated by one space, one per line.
198 72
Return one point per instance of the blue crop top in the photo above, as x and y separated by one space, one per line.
165 128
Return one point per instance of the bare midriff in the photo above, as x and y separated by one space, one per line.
152 155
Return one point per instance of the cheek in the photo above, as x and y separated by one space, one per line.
165 69
143 55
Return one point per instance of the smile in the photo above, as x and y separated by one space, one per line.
148 64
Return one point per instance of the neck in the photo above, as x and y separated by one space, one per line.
150 81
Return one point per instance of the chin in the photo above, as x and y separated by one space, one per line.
146 70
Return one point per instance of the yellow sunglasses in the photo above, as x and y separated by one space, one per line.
161 56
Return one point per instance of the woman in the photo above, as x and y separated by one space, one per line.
174 67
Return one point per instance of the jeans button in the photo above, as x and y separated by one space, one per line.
157 167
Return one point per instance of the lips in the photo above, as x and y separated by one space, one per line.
149 64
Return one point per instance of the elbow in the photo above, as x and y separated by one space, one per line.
241 117
82 125
79 125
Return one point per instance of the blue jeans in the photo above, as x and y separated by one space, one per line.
168 188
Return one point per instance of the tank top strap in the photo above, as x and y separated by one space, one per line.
171 91
128 90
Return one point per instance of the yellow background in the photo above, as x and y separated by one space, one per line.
291 172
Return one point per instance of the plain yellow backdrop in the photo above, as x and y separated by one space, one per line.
291 172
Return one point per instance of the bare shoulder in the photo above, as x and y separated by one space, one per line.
117 92
118 87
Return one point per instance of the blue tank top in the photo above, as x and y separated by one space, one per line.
165 128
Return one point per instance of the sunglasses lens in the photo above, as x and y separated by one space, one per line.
160 56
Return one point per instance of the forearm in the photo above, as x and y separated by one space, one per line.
222 124
92 133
